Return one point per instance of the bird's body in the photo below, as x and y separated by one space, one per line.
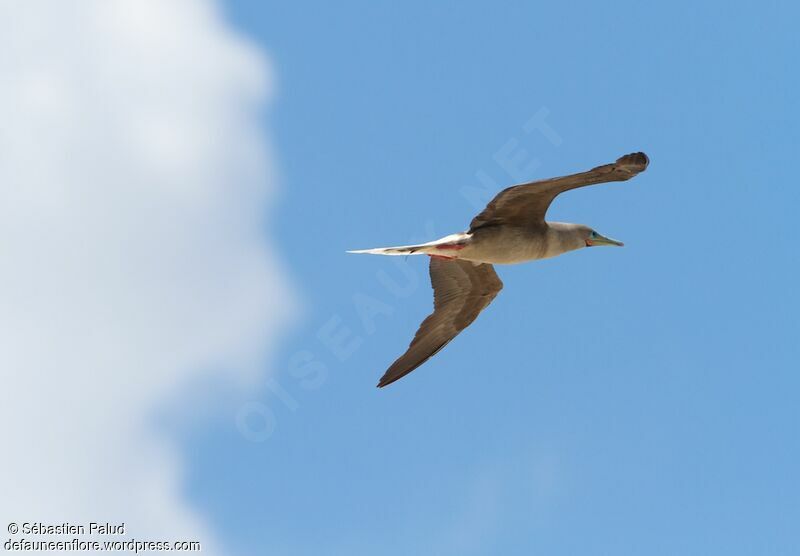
510 230
496 244
516 244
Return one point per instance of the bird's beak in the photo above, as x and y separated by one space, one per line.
602 240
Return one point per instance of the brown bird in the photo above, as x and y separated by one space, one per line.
511 229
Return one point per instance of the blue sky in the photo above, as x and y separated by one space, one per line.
610 401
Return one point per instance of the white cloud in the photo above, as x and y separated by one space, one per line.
133 184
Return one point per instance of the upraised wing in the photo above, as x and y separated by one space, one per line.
461 290
526 204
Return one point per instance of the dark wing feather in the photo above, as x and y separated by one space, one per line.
526 204
461 290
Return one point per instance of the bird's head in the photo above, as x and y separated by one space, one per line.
568 237
593 239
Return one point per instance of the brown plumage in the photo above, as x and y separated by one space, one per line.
526 204
511 229
461 290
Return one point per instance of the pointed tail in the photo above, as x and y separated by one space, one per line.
399 250
453 241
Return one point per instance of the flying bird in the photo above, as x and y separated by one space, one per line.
511 229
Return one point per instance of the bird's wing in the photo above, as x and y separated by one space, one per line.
526 204
461 290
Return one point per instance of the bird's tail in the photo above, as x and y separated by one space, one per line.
448 243
399 250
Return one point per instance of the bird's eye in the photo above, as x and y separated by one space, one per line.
594 234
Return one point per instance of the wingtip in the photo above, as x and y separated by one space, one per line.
637 161
386 380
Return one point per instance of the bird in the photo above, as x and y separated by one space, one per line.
511 229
